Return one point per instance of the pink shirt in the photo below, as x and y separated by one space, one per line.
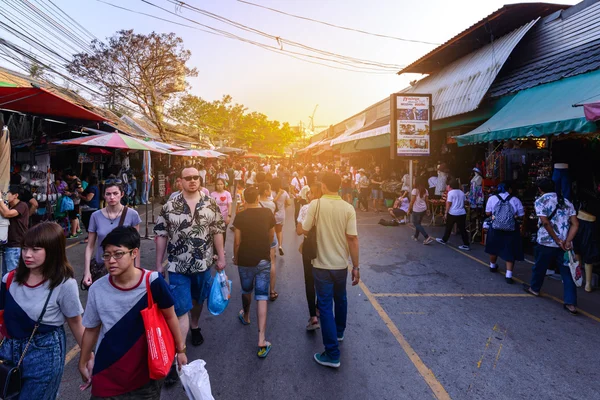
223 200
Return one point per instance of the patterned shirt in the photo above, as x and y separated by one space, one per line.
191 248
544 207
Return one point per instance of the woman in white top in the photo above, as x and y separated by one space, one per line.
456 214
251 176
265 200
440 185
505 244
282 199
418 208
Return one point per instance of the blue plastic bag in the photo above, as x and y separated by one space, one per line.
218 298
67 204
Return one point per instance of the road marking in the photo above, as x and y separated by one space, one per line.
579 310
71 245
499 335
451 295
71 354
436 387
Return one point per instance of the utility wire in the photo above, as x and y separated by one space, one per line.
338 26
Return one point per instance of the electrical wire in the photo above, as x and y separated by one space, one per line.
338 26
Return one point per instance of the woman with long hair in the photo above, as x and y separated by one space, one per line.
224 201
265 200
282 199
418 208
37 299
315 193
102 222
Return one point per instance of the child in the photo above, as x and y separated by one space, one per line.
456 214
400 209
114 325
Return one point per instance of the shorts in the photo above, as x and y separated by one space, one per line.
257 278
188 287
398 212
376 194
74 213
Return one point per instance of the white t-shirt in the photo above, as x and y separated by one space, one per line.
420 204
432 181
516 204
457 198
237 175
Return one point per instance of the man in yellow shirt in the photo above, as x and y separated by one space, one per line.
337 240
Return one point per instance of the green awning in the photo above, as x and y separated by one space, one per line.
369 143
541 111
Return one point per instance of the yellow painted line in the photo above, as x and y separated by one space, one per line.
71 245
436 387
497 356
579 310
71 354
451 295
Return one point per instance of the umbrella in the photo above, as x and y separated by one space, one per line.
113 140
250 155
198 153
97 150
228 150
592 111
163 146
4 159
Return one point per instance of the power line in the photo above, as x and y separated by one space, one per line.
338 26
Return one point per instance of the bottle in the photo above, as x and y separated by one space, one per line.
225 292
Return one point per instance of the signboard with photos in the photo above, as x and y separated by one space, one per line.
413 125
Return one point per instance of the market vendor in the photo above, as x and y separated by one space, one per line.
476 190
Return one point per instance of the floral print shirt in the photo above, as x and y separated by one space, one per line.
190 247
544 207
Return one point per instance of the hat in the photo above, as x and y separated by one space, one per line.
477 170
361 170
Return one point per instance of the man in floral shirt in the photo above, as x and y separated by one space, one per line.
190 239
558 226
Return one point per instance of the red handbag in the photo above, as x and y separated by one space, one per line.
161 345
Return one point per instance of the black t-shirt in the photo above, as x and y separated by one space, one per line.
18 225
376 178
255 224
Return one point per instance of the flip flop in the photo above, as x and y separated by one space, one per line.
241 318
263 351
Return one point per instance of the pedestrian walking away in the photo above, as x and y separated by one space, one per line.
282 200
504 236
314 193
456 215
192 226
266 201
557 229
254 233
417 209
37 299
337 240
298 182
114 349
74 191
102 222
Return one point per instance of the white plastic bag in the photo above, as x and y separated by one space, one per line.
194 378
575 268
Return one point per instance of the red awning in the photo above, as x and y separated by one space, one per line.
39 101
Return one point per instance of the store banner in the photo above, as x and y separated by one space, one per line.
413 123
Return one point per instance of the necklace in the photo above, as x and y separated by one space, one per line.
112 220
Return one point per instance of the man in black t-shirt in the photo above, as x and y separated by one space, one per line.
376 193
254 233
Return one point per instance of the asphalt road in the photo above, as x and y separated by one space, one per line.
426 322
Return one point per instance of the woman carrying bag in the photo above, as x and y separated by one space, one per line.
37 299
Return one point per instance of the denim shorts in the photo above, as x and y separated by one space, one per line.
257 278
43 365
10 260
376 194
188 287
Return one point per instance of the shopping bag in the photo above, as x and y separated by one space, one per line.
195 381
161 345
219 295
576 272
67 204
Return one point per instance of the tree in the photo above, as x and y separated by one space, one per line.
36 71
143 71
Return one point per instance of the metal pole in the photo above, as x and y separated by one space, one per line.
146 236
410 173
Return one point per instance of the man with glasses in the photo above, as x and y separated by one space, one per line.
190 228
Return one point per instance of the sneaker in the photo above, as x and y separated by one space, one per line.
415 239
327 361
340 338
464 248
197 338
440 241
313 327
172 377
509 280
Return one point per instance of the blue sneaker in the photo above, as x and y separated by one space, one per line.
327 361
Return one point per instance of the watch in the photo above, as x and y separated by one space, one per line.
182 351
356 268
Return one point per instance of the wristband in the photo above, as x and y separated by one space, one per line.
355 268
181 351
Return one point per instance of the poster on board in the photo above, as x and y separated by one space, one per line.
413 123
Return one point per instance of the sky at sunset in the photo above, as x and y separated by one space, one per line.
284 88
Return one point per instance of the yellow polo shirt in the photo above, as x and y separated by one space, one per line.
336 219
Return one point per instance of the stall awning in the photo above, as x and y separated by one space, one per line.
378 127
541 111
38 101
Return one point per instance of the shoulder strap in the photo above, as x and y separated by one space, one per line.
123 215
35 328
553 213
9 279
501 199
148 289
45 307
317 214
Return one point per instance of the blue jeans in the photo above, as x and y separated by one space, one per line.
10 259
188 287
331 286
543 256
43 365
562 182
417 217
256 278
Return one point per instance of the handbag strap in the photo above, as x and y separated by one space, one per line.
148 290
123 215
35 328
317 214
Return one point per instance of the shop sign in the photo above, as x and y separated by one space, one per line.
413 125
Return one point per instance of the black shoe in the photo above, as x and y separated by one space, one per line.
197 338
172 378
494 269
509 280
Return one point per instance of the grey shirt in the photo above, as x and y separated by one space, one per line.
102 226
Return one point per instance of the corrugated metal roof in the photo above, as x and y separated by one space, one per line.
459 87
497 24
556 48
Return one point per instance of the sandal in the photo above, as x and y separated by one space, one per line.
572 312
263 351
241 318
273 296
527 289
313 326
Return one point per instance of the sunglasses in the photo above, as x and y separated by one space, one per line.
191 178
111 181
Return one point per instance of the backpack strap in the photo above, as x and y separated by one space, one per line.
123 215
9 279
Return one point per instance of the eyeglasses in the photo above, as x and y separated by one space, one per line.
117 256
191 178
